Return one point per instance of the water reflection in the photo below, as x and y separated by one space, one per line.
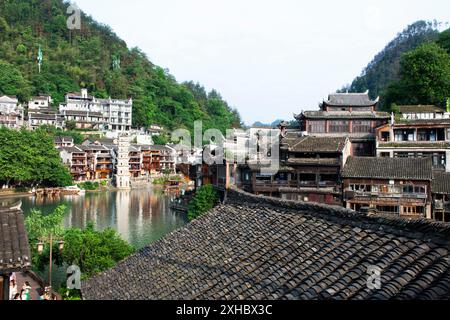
140 216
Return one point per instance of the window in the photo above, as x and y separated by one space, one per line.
388 209
339 126
362 126
317 127
361 187
385 154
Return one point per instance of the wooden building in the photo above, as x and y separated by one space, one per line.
416 139
397 186
440 189
352 115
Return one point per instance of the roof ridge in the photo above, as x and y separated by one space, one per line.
437 232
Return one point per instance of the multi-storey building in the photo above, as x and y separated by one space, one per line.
398 186
11 112
135 161
40 112
316 163
63 142
75 158
440 189
351 115
99 161
117 114
88 112
417 137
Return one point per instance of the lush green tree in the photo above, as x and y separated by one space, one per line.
385 66
205 199
94 251
444 40
29 159
425 77
12 81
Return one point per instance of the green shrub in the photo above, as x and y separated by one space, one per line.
204 200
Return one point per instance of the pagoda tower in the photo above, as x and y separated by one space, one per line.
123 177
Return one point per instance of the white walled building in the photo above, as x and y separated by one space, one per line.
99 114
11 112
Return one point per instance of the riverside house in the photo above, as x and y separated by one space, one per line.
395 186
417 134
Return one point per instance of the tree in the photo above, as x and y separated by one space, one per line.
204 200
94 251
71 125
425 77
29 159
444 40
12 82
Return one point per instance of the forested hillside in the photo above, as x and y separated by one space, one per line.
385 67
85 58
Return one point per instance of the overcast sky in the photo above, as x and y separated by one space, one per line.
269 59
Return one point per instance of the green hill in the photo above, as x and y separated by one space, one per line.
385 67
84 58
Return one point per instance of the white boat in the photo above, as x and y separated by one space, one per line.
73 190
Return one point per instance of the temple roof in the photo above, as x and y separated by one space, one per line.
14 248
388 168
350 100
260 248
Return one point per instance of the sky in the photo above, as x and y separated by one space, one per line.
268 59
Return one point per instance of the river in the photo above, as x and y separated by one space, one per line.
140 216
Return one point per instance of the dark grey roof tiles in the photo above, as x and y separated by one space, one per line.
313 144
350 99
388 168
441 183
14 248
263 248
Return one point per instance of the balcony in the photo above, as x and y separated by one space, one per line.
350 194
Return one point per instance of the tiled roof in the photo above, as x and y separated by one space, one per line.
388 168
441 183
420 109
422 122
62 139
345 115
295 143
14 248
261 248
415 144
349 99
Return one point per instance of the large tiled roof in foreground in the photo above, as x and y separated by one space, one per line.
388 168
14 248
262 248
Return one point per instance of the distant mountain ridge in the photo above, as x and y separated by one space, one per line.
384 68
